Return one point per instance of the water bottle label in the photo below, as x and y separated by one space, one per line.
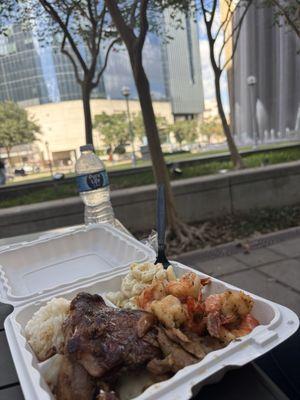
95 180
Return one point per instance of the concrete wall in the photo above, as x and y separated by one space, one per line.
62 124
196 199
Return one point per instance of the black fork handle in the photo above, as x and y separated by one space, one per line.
161 216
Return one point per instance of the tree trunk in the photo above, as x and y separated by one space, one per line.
235 156
86 94
8 149
110 156
158 163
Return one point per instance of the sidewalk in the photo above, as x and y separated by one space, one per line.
272 272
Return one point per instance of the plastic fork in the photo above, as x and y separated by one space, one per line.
161 227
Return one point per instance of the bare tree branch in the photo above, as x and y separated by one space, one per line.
122 27
230 19
94 84
214 6
97 37
225 38
226 19
82 10
237 35
64 51
50 10
287 16
144 25
204 11
100 31
89 39
236 158
94 29
234 33
91 13
132 14
211 39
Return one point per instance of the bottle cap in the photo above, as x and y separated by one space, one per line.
87 147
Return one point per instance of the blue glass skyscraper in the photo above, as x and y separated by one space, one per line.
31 74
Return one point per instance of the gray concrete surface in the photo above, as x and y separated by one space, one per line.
196 199
272 272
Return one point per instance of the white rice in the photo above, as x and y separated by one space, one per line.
44 330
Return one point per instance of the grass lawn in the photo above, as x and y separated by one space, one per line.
145 178
118 166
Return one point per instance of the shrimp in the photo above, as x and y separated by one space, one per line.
189 290
196 321
246 326
155 291
190 284
228 315
233 306
170 311
216 329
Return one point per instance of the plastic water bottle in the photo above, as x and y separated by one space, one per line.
93 187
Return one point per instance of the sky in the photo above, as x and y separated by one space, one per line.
207 72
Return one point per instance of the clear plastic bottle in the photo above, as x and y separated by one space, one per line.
93 187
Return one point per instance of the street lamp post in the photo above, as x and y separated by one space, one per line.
126 93
251 81
49 159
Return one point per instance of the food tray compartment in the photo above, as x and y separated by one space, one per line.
33 269
277 324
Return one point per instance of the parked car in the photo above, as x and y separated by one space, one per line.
20 172
30 169
58 176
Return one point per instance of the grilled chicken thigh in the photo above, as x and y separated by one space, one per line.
105 339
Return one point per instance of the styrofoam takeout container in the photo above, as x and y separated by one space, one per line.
95 259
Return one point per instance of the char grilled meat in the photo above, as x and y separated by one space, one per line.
74 383
181 349
105 339
175 356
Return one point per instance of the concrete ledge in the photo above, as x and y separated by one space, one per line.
8 192
196 199
272 186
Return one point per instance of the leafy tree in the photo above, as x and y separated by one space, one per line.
226 29
133 19
211 127
15 126
82 29
286 12
139 128
186 130
113 128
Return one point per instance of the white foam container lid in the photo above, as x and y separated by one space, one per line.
30 270
95 259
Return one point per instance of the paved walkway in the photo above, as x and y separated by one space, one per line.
272 272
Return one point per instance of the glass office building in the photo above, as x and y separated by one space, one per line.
21 75
118 72
31 74
270 53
